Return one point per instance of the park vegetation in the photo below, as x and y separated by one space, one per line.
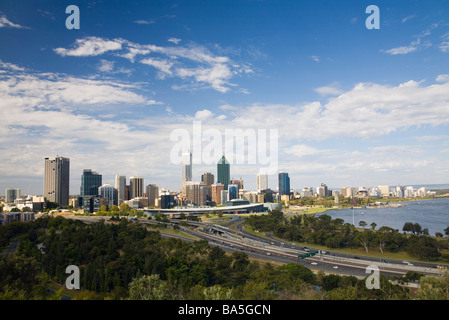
119 259
335 234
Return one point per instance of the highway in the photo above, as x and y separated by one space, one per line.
273 250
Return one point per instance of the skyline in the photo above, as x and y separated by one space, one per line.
353 106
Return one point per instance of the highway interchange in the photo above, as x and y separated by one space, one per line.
270 249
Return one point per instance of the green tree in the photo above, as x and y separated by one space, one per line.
434 288
149 288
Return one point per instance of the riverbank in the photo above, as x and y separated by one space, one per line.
382 203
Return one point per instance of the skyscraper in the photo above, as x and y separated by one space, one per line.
186 168
284 183
196 193
262 181
11 195
109 192
208 179
57 180
216 192
152 192
136 187
90 182
232 192
223 172
120 185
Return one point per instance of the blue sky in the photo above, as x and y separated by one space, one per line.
354 107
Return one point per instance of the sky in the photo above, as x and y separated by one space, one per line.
351 106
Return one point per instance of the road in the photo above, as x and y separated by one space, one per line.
273 250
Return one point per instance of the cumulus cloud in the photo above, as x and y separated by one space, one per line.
192 62
90 46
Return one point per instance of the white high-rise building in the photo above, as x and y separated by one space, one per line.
186 163
109 192
120 185
262 181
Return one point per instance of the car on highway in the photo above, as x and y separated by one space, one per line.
314 263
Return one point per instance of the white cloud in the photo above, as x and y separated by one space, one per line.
192 62
142 21
203 114
5 23
412 47
162 65
442 78
329 90
404 20
91 46
315 58
106 66
174 40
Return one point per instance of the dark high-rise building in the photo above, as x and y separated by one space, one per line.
223 172
284 183
167 201
57 180
90 182
232 192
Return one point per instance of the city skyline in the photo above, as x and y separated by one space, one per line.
354 107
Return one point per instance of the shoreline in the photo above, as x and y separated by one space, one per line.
390 203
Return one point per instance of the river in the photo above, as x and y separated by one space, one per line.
432 214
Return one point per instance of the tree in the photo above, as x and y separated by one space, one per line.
365 238
124 208
149 288
373 225
434 288
408 227
362 224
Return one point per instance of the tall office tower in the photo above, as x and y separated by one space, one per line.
322 191
284 183
57 180
90 182
120 185
208 179
152 192
216 192
223 172
196 192
11 195
109 192
262 181
186 167
136 187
